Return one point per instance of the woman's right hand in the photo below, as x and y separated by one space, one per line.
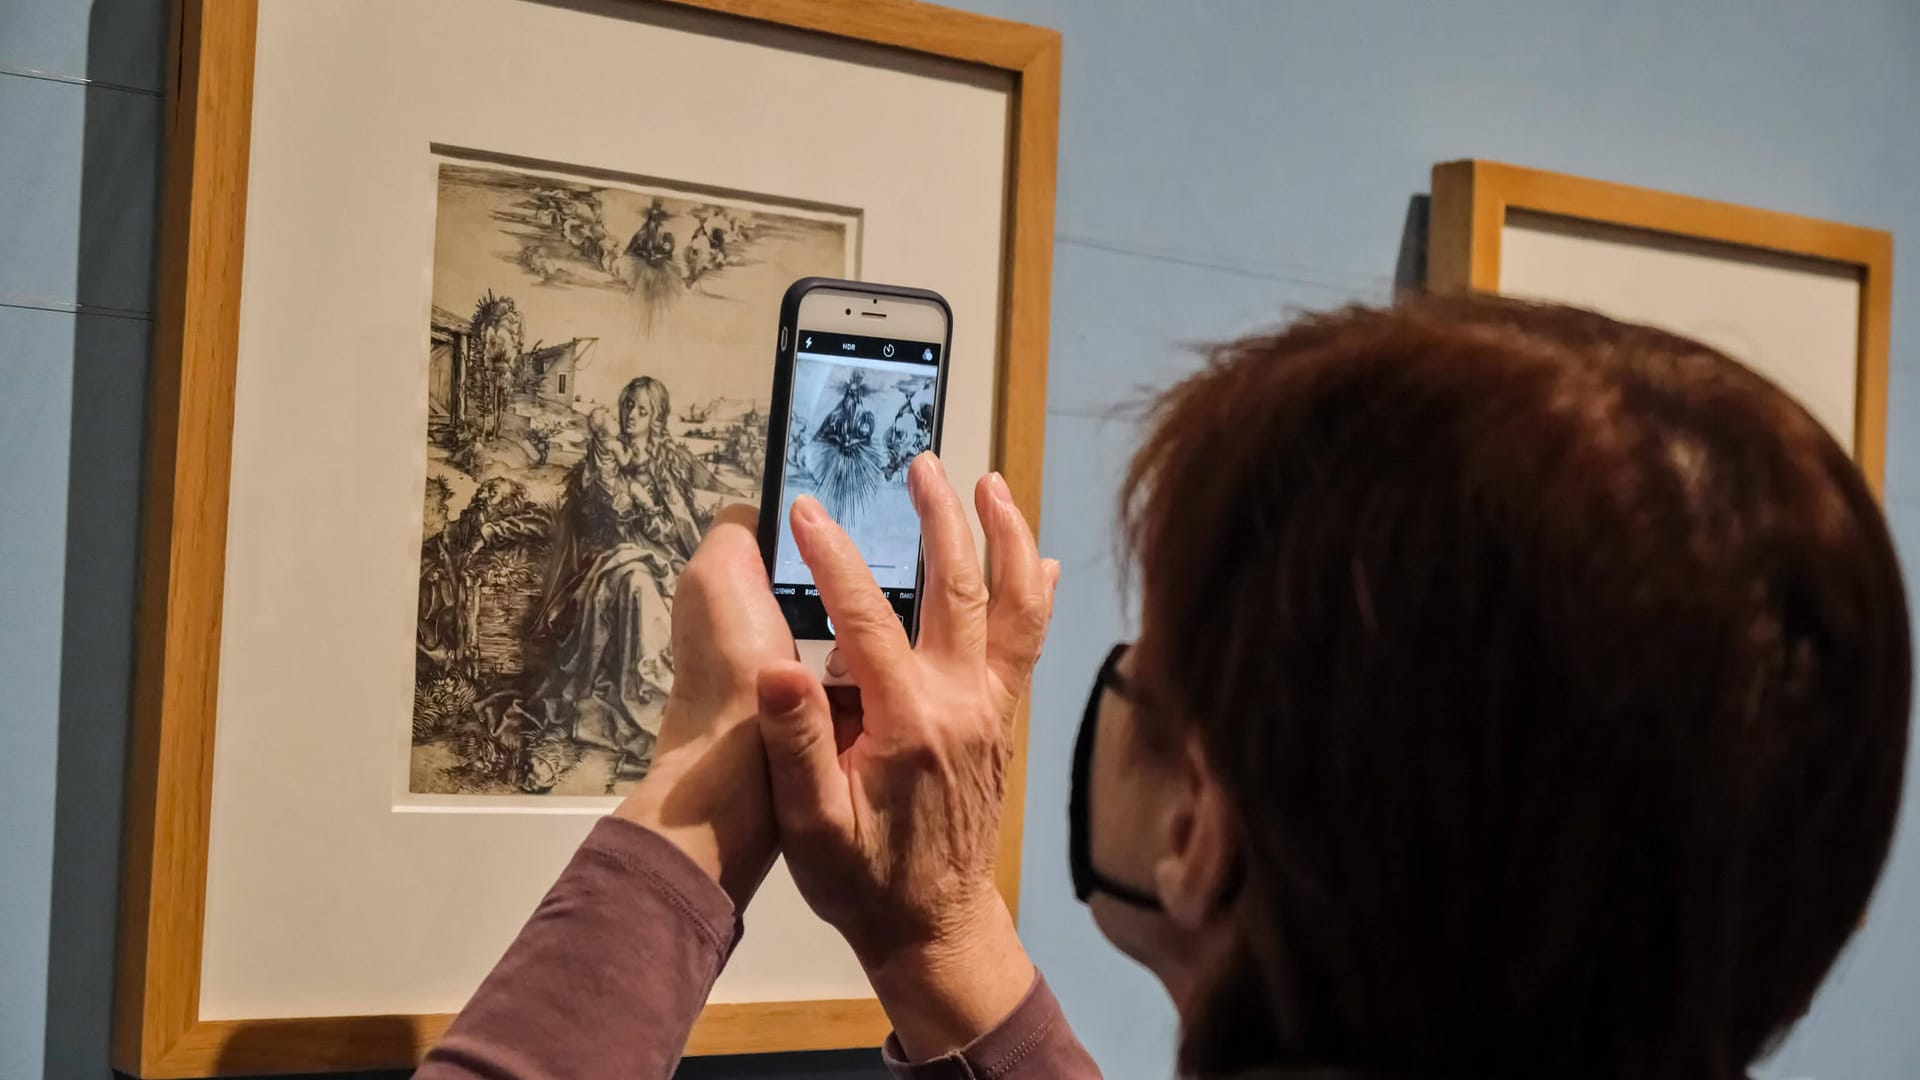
889 805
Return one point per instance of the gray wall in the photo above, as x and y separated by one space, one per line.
1222 163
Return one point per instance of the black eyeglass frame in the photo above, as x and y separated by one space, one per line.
1086 879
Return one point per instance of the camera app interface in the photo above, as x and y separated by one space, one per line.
862 410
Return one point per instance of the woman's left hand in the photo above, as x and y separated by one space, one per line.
707 789
889 800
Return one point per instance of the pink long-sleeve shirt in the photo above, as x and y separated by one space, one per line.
606 979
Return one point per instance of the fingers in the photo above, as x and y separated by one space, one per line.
811 800
745 515
733 537
723 611
953 601
1022 600
868 633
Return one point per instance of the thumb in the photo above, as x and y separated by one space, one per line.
810 794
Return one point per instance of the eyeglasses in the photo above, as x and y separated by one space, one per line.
1087 880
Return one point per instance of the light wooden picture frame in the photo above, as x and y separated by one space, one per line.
1476 202
158 1027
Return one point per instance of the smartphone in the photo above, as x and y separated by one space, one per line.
859 391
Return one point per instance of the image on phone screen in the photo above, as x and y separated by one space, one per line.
862 409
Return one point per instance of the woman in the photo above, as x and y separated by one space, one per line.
1519 694
628 524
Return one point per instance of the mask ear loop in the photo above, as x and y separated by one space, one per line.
1087 880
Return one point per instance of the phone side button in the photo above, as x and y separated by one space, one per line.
836 664
783 339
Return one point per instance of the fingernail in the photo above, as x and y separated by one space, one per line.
806 513
926 469
781 699
1000 489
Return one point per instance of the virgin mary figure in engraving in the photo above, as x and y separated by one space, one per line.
628 522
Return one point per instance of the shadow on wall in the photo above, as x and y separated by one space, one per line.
830 1065
837 1065
119 176
256 1046
1410 266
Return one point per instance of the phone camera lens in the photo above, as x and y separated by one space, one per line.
849 311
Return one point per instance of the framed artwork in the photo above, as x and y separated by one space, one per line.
425 463
1804 302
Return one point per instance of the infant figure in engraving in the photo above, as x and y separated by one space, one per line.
607 456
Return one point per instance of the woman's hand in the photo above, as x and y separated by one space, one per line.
889 805
707 789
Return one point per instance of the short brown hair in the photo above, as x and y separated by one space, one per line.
1559 668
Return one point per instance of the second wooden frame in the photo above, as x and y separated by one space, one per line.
1472 200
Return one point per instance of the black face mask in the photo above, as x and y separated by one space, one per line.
1087 880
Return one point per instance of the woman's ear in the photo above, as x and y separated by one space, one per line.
1199 842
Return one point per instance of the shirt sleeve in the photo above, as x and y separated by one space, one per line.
1032 1043
607 977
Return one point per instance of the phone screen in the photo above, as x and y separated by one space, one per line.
862 409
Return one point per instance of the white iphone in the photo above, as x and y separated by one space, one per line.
859 389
